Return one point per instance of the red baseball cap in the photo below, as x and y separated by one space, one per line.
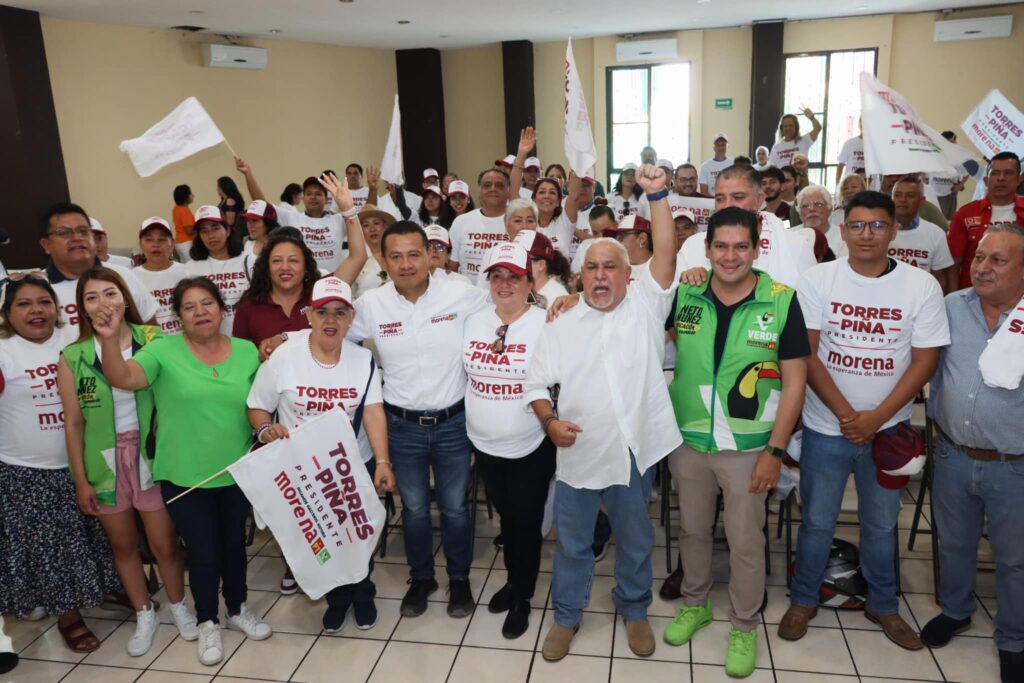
630 223
259 210
536 244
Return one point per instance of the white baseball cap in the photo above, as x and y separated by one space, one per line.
435 189
511 256
436 233
430 173
330 289
532 162
155 222
507 162
96 226
664 162
209 213
259 209
630 166
720 136
458 187
685 211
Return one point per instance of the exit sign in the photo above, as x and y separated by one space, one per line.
723 103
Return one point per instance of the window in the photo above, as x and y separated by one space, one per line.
828 83
649 105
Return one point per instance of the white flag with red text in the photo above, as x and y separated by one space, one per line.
579 138
995 126
186 130
391 168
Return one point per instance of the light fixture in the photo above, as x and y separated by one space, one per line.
196 11
443 35
274 31
403 22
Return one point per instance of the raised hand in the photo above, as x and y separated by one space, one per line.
107 321
808 112
242 166
340 190
527 141
651 178
373 179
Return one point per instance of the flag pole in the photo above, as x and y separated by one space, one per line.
235 155
200 484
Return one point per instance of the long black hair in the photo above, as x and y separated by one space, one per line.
260 286
448 214
559 268
10 288
637 190
199 252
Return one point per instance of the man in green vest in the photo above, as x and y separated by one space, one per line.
741 369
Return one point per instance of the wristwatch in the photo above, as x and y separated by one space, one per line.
283 336
775 451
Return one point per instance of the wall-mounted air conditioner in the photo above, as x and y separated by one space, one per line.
973 29
234 56
646 50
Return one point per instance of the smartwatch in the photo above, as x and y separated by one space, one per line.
775 451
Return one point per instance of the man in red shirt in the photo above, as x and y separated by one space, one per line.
1002 204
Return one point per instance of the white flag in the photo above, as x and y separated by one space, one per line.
186 130
315 494
391 169
896 140
995 126
579 139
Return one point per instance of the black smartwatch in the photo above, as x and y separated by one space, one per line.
775 451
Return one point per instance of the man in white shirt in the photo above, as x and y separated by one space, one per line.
354 177
99 237
711 168
68 241
531 174
416 323
614 422
475 232
876 327
851 157
919 242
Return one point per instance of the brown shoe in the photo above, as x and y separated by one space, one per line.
556 644
640 637
896 630
794 622
670 590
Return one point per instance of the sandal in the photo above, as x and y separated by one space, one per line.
77 642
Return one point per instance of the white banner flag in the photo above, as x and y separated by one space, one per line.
391 169
579 139
896 140
186 130
314 492
995 126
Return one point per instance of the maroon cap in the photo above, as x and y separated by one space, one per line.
629 224
312 180
894 449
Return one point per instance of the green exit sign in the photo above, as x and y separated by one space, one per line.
723 103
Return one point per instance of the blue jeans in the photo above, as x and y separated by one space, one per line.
415 451
575 516
825 464
965 493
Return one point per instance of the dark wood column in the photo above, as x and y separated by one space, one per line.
766 83
517 68
421 99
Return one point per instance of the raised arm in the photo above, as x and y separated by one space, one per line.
815 124
121 374
373 185
663 231
572 200
527 141
250 180
349 269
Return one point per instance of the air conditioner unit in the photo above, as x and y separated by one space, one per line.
974 29
646 50
234 56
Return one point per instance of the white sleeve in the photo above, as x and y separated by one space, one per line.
455 237
809 297
375 392
361 324
264 394
287 215
941 256
931 326
659 300
704 176
805 254
543 371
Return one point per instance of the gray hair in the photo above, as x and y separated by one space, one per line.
812 189
613 242
1006 228
521 203
910 179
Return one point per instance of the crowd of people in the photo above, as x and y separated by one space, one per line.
526 329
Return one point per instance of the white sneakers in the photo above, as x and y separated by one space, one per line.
211 650
185 620
248 623
146 625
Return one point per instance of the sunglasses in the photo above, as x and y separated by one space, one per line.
499 344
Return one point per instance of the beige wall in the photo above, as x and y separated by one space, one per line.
474 109
314 107
548 91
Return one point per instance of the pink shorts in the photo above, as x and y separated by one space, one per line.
129 494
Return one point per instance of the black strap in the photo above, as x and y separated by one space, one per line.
357 419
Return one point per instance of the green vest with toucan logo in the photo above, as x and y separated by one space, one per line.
96 400
733 408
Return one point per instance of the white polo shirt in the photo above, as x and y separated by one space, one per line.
608 366
472 234
419 344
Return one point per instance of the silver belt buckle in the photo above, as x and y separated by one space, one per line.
427 420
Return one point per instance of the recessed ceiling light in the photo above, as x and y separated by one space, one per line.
443 35
346 1
703 2
275 31
403 21
196 11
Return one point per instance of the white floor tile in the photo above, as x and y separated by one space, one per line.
571 668
475 665
709 673
822 650
323 663
648 671
265 573
414 662
50 646
31 671
275 658
114 651
800 677
182 655
433 626
297 614
485 630
875 655
152 676
969 660
86 673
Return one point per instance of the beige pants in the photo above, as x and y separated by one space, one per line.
698 477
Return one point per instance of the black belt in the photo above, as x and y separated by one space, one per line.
427 418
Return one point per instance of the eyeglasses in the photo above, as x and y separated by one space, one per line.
813 205
66 233
499 344
436 246
877 227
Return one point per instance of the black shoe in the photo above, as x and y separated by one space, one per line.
501 601
940 630
600 550
366 614
499 543
8 660
517 620
334 618
415 601
671 589
460 598
1011 666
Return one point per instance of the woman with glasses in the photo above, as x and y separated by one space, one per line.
51 555
322 360
515 457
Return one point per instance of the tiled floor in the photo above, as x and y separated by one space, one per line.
839 648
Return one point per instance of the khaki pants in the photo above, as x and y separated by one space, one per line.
698 477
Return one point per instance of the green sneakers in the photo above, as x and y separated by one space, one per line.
742 653
687 622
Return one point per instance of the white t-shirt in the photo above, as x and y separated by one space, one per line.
560 231
231 277
65 291
851 154
783 151
160 284
941 184
1003 214
325 236
31 415
126 417
525 192
419 344
636 206
471 235
360 196
498 421
293 384
868 327
709 171
551 290
369 277
924 246
116 260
